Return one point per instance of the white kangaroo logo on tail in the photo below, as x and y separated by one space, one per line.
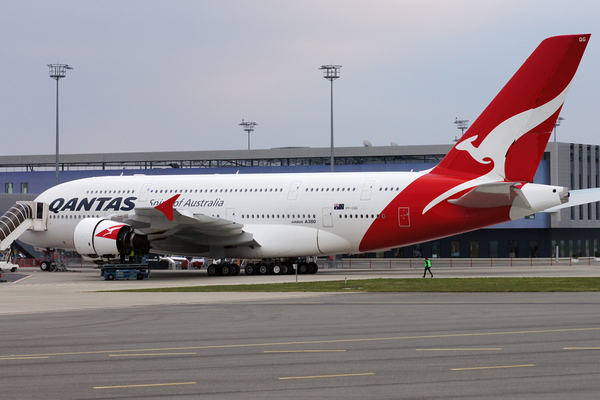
495 145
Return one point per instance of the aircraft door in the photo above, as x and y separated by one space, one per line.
367 190
144 192
294 188
404 217
327 217
231 214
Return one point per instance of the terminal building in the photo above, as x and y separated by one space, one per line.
572 231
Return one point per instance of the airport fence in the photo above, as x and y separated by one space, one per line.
402 263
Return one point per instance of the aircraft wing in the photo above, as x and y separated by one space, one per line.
180 231
578 197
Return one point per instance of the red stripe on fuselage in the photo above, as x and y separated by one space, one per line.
442 220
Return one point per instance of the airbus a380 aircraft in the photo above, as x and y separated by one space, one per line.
484 180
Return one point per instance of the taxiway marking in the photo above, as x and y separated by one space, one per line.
493 367
326 376
146 385
152 354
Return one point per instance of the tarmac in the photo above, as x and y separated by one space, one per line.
32 291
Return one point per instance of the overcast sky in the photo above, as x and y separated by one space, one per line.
181 75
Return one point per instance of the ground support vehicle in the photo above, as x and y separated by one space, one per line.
111 272
6 266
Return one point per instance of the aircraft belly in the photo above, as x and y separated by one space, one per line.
61 239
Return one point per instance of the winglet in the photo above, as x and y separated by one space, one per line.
166 207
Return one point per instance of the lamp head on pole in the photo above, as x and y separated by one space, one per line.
58 71
331 72
248 126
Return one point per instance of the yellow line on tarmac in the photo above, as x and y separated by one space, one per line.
152 354
581 348
326 376
304 351
148 385
495 367
463 349
20 358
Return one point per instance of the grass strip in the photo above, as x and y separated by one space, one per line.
463 285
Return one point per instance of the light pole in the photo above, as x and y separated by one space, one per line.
331 73
556 125
248 127
57 71
462 124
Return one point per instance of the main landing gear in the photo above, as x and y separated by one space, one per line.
54 260
266 267
223 269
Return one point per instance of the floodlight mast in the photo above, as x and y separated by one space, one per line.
331 73
462 124
248 127
556 125
57 71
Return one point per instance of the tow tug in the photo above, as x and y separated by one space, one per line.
111 272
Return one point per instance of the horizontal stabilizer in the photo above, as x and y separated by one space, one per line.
524 199
578 197
487 195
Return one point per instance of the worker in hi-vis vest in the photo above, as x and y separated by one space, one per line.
427 267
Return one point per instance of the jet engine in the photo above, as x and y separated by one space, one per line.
101 239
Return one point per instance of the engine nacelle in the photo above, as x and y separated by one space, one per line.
97 238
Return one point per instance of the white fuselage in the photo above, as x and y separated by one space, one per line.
288 214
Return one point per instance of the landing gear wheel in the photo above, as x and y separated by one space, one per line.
290 267
211 270
235 270
277 269
250 269
312 268
302 268
45 266
263 269
225 269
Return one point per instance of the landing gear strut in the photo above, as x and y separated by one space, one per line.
54 260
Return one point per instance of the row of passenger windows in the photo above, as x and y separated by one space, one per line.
110 192
250 216
327 189
71 216
362 216
255 190
175 191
